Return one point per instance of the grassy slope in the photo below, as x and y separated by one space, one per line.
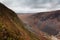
12 28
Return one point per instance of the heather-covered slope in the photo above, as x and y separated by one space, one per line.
12 28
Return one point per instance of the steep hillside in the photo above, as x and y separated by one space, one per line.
12 28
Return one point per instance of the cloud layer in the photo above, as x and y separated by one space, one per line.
29 6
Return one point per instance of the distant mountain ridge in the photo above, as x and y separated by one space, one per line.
46 19
48 22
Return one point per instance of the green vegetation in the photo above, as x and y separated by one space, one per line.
5 35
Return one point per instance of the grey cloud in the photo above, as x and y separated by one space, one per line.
34 5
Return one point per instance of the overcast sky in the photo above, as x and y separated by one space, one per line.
29 6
